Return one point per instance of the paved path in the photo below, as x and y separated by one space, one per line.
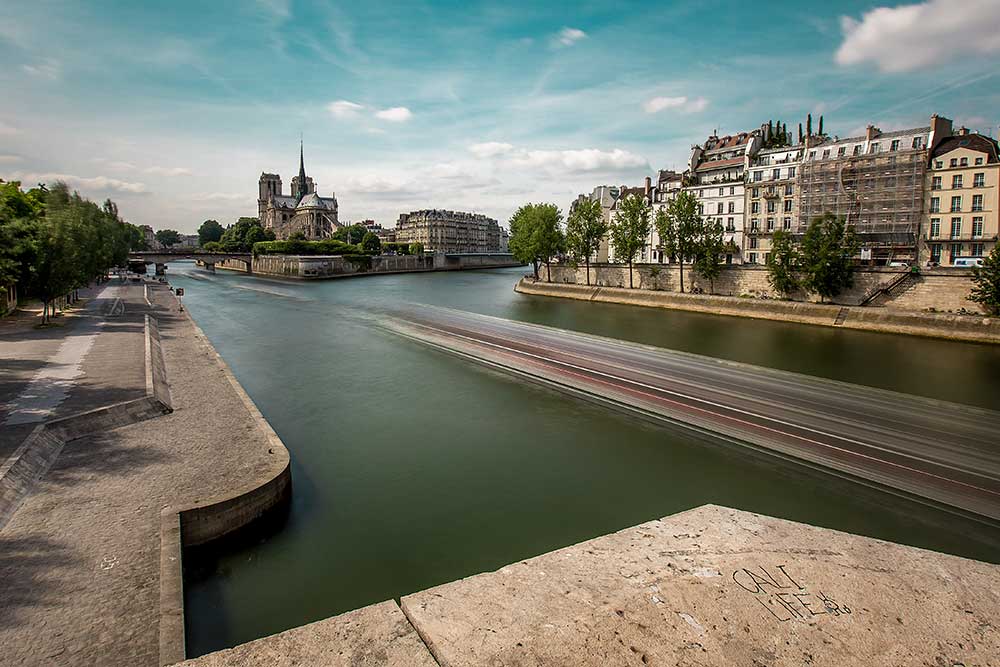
933 449
80 560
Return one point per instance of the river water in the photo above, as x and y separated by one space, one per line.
413 468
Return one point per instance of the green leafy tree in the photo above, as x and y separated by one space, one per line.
168 237
212 246
986 283
710 247
351 233
241 235
782 263
679 227
416 248
630 229
209 231
585 228
535 235
827 251
371 244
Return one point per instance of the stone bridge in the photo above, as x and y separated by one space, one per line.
206 259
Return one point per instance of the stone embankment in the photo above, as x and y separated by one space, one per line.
318 267
710 586
90 560
974 328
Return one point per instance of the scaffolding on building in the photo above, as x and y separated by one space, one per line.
881 195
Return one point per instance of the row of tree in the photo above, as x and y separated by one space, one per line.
53 241
822 263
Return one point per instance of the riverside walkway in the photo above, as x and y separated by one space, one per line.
925 448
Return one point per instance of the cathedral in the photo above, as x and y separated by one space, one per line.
301 211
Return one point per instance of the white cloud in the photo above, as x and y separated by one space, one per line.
46 69
93 183
380 184
223 196
344 109
586 159
569 36
394 114
911 37
168 171
122 166
9 158
682 103
490 149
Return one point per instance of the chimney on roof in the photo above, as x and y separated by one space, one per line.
649 185
871 132
940 130
963 131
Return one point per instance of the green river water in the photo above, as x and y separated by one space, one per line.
412 467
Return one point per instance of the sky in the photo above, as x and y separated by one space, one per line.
174 109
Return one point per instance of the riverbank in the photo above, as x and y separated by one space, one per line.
91 559
972 328
325 267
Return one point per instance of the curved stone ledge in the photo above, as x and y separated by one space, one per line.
186 525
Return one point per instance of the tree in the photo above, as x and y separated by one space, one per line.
821 126
986 283
241 235
168 237
351 233
800 133
416 248
680 230
535 235
710 247
809 125
209 231
827 251
782 263
585 228
630 229
371 244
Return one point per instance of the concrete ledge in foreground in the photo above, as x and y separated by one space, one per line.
716 586
374 635
972 328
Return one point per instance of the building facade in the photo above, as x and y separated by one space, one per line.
449 231
876 182
771 199
301 211
962 198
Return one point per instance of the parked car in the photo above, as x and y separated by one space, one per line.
898 265
968 261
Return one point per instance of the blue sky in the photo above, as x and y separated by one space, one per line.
174 109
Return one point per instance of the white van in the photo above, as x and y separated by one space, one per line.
968 261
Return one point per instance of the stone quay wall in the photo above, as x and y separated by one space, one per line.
313 267
938 289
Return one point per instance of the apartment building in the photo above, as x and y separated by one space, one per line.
669 184
875 181
771 199
962 198
716 177
449 231
607 195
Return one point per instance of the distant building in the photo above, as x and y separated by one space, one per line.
188 241
607 195
302 211
962 186
771 199
669 184
449 231
150 237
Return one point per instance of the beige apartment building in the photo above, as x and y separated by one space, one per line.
771 199
449 231
962 198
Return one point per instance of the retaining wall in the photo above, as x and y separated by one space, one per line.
941 289
974 328
313 267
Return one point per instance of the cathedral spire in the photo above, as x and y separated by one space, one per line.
302 188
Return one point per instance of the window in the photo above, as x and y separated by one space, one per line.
767 257
979 180
755 193
791 172
842 151
954 162
956 204
964 162
758 176
979 161
936 183
753 242
730 227
754 224
936 253
938 164
918 143
719 208
722 191
752 258
788 190
732 189
771 207
826 154
977 249
956 228
788 206
894 146
770 224
775 174
977 227
956 251
935 227
812 155
755 207
977 202
732 207
701 193
873 148
701 209
770 190
786 224
935 204
857 150
956 182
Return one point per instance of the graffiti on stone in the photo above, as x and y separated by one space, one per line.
784 597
